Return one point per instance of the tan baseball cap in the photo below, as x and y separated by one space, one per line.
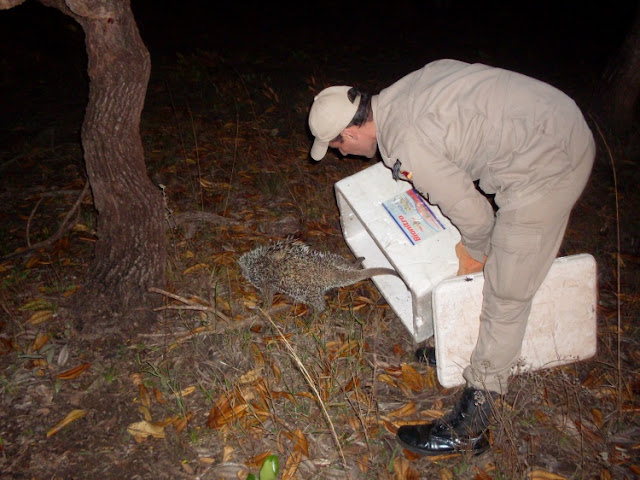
330 113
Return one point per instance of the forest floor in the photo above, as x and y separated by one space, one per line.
210 392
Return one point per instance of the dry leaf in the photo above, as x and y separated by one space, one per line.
588 431
37 304
353 383
35 363
185 392
74 372
63 356
481 475
411 456
256 462
40 316
539 474
257 416
250 376
432 380
181 422
404 387
71 290
391 428
168 421
70 418
32 261
195 268
384 378
354 423
159 396
446 474
258 356
393 370
598 418
271 339
630 408
143 393
40 341
405 411
227 454
363 463
141 430
439 458
301 443
222 414
606 474
489 467
206 184
398 350
541 416
280 441
413 378
308 395
347 349
280 394
431 413
146 413
6 346
401 468
276 371
291 466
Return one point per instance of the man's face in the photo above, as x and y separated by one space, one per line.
355 141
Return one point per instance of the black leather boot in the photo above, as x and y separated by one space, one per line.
464 429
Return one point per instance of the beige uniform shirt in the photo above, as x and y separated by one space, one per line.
452 123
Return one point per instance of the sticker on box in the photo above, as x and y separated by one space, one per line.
413 216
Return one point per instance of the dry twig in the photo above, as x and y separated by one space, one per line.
188 220
189 304
67 224
312 385
618 266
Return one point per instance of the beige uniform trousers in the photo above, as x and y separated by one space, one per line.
524 244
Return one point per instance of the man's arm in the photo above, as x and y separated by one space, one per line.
451 188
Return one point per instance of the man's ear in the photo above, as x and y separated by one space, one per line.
350 132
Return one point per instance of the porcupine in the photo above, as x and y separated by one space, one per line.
305 275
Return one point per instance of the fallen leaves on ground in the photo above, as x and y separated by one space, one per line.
67 420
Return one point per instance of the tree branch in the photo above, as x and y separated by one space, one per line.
7 4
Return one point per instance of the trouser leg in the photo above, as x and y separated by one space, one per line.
524 245
512 278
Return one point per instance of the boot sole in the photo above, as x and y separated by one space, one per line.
435 453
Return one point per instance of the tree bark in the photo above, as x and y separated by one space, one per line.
130 253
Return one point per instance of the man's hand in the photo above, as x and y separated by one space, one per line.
468 264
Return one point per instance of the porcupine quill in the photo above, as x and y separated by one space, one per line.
305 275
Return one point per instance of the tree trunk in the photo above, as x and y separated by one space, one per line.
130 252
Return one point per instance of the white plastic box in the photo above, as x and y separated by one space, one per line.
429 298
372 233
561 327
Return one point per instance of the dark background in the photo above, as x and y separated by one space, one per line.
212 66
43 61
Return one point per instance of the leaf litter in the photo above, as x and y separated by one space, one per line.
226 381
